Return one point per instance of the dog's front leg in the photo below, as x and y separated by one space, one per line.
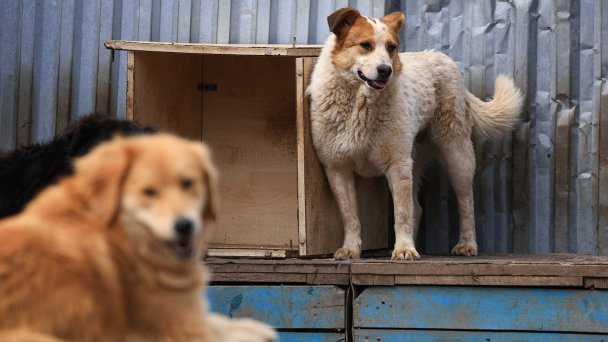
400 181
342 184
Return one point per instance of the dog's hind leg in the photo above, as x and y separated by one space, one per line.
399 176
458 158
342 184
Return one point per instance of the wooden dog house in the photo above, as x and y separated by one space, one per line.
248 103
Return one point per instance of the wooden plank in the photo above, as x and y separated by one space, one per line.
286 336
248 252
259 277
9 75
217 49
66 62
329 267
322 230
249 123
596 283
482 308
165 92
130 80
474 280
327 279
381 335
26 70
283 307
373 279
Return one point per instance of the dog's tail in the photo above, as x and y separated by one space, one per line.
495 118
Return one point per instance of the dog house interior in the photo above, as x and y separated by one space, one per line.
248 103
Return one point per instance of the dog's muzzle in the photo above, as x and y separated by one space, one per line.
378 84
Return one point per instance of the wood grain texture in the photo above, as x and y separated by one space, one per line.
283 307
468 308
249 123
323 232
217 49
165 92
382 335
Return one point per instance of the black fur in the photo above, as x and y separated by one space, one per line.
27 170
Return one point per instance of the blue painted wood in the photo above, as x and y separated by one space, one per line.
287 307
311 337
435 307
9 59
380 335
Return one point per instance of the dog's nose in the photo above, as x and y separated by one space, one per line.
183 227
384 70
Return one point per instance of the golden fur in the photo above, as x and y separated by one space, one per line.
97 257
367 122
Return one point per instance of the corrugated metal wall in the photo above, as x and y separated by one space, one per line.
540 191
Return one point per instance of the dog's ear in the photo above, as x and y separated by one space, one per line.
99 179
341 20
394 20
210 175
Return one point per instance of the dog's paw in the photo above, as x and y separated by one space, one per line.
346 253
249 330
465 249
405 253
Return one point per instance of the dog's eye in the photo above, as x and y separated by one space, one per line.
150 192
186 183
391 48
366 46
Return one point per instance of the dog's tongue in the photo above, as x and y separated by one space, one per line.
379 84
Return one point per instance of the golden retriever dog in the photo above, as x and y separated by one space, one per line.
112 253
375 112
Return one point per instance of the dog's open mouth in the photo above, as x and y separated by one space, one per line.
378 84
183 248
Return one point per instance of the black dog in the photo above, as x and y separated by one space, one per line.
29 169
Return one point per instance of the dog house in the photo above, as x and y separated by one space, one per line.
248 103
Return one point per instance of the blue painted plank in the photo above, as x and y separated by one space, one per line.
435 307
287 307
9 77
26 71
311 337
379 335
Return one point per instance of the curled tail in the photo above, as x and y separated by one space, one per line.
495 118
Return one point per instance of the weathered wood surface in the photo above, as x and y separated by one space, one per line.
283 307
217 49
558 270
475 308
383 335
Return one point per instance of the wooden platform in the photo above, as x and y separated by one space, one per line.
557 297
559 270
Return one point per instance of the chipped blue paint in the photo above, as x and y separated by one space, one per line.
383 335
435 307
287 307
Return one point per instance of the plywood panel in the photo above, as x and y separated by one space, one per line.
283 307
322 231
475 308
249 121
165 92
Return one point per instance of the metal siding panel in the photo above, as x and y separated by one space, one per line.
281 23
542 148
144 22
125 29
514 309
9 74
46 65
168 20
311 336
262 28
603 139
241 22
26 71
208 22
310 307
66 51
302 17
184 16
584 186
223 22
102 102
86 55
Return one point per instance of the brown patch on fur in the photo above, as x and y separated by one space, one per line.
348 48
395 22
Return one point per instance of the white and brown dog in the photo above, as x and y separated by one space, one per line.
369 104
